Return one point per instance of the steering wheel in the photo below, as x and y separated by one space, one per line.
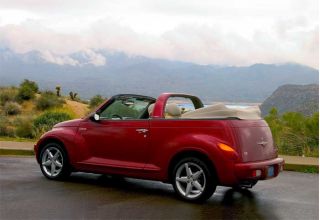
116 116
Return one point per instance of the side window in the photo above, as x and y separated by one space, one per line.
176 106
125 108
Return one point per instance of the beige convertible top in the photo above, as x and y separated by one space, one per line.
222 111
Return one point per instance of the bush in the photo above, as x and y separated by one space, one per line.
7 95
24 128
25 93
48 100
96 100
294 133
12 108
5 128
27 90
30 84
48 119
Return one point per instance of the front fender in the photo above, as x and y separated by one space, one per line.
64 135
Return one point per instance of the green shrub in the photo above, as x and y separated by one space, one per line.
27 90
294 133
30 84
95 101
12 108
5 128
48 119
7 95
24 127
48 100
25 93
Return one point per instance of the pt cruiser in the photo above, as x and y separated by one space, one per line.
174 139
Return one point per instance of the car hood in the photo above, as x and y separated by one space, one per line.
70 123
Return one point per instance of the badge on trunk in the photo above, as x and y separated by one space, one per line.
262 143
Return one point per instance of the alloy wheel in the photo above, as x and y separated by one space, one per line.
52 161
190 180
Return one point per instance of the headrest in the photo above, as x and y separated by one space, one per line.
173 110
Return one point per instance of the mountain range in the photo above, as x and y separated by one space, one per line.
108 73
294 98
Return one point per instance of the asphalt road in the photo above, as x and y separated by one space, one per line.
26 194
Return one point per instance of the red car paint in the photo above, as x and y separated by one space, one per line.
115 146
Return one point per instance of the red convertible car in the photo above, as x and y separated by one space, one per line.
174 139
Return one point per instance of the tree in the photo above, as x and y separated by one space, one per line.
96 100
73 96
27 90
58 90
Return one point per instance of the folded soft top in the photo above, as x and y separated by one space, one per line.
222 111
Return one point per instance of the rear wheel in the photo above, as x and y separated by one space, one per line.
192 180
54 162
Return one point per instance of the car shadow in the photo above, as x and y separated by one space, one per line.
226 203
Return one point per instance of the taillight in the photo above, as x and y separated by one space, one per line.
225 147
228 151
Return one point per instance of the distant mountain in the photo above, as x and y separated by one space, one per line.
109 73
293 98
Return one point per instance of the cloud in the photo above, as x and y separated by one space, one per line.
60 60
293 40
94 58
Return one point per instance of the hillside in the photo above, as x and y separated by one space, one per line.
27 112
142 75
293 98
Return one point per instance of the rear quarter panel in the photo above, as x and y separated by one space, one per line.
170 137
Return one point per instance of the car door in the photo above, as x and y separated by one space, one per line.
120 138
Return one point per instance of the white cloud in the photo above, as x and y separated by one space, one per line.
60 60
213 32
94 58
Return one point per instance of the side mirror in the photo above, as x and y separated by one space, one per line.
96 117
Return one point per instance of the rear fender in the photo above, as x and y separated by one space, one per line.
208 146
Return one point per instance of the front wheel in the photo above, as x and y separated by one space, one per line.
54 162
192 180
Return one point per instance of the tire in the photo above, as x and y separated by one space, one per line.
195 185
54 162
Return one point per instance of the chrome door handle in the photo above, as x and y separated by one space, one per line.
142 130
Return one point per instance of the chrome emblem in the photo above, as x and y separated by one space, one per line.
262 143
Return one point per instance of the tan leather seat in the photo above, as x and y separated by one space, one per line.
150 109
172 111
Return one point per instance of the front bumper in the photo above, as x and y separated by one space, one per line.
249 170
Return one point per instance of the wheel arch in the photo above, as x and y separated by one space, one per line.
48 140
191 153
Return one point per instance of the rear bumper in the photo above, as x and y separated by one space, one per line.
248 171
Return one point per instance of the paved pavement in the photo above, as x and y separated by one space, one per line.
26 194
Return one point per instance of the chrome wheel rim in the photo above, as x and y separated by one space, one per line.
190 180
52 161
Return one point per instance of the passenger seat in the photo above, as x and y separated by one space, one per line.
172 111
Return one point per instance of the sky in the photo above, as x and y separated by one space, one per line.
228 32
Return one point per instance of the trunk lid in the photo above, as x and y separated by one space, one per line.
254 140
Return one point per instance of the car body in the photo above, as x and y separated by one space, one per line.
123 137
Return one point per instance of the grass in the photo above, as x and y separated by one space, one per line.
302 168
16 152
18 139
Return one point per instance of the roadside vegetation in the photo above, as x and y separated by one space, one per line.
26 112
294 133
